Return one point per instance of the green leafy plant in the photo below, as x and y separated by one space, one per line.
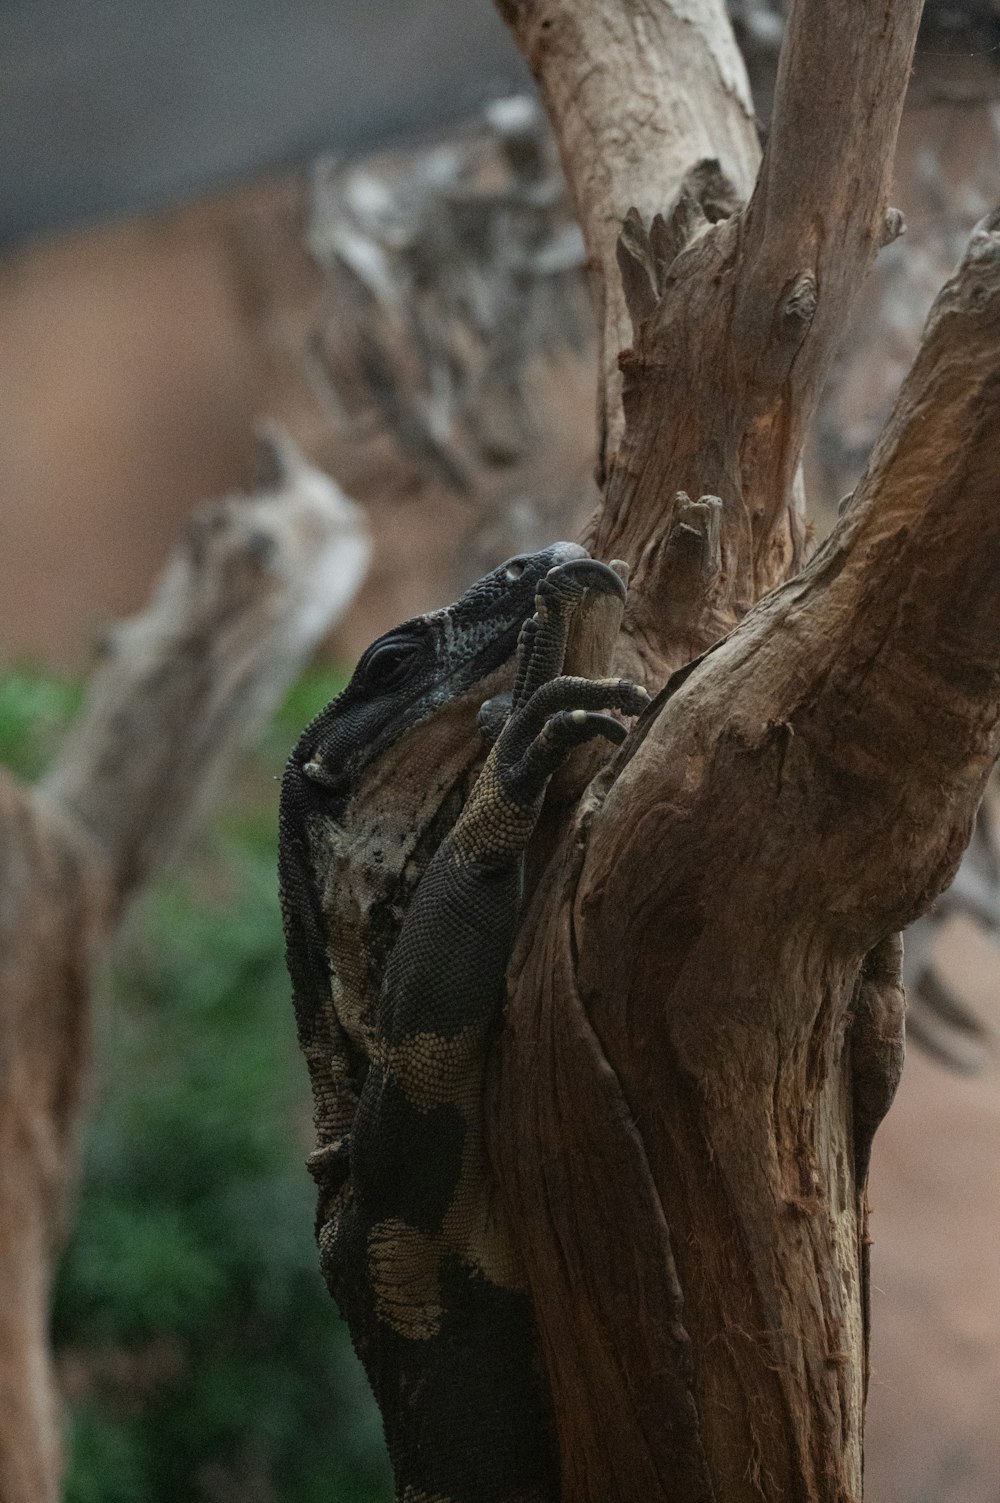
35 709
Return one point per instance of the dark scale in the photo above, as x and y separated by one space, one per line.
401 845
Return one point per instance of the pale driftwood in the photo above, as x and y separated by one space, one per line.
183 688
705 1008
638 92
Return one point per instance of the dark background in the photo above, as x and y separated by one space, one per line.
112 106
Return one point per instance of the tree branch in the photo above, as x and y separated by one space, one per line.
192 680
694 976
818 215
184 688
901 613
726 369
735 315
638 92
802 792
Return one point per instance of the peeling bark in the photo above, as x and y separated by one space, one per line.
183 688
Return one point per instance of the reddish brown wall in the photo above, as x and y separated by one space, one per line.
133 361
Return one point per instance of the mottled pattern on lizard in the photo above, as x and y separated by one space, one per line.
401 880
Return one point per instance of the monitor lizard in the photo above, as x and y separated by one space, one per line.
401 857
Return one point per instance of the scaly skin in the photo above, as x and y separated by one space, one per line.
413 1240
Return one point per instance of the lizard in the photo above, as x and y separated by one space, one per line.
401 869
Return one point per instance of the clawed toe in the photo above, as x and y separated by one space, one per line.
541 648
579 574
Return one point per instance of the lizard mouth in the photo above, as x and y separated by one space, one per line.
335 784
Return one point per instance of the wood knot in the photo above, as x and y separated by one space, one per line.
687 562
800 302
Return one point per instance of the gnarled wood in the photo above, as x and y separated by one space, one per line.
183 688
189 681
638 92
704 1023
735 315
695 956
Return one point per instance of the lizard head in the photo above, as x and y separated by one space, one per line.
378 779
418 670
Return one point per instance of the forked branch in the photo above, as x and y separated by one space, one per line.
736 314
691 992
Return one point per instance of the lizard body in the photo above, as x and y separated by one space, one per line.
401 876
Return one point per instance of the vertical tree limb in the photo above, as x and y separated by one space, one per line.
637 92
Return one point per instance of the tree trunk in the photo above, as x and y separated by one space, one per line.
705 1019
183 688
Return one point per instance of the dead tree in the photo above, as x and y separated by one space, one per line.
705 1015
182 689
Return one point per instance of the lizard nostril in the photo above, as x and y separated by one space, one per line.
515 568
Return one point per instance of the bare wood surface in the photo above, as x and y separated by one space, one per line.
185 686
638 92
809 789
187 683
705 1021
740 322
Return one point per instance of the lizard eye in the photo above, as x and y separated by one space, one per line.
389 664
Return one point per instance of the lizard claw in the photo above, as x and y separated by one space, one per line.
567 729
569 580
498 820
561 715
541 647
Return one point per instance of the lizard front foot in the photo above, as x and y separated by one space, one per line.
550 714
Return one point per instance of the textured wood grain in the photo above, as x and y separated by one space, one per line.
638 92
694 1055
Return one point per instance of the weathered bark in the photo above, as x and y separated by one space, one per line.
184 687
731 335
638 93
705 1009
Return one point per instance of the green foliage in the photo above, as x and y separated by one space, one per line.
34 712
201 1353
